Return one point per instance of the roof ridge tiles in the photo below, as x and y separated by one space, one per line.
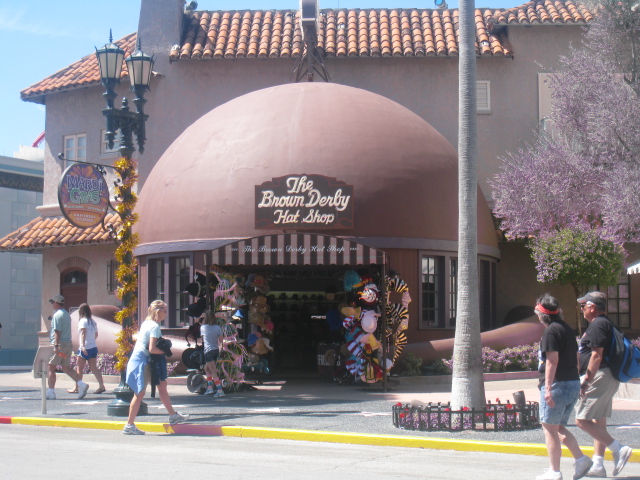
366 32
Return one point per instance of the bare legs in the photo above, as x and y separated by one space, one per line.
555 435
137 400
93 366
51 376
598 430
135 406
211 371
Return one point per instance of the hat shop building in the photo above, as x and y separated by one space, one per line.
309 195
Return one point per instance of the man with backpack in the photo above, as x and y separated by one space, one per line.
598 385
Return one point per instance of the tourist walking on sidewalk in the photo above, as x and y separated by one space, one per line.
61 341
211 338
598 385
139 370
559 388
88 349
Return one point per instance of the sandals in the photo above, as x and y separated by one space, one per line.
100 390
73 390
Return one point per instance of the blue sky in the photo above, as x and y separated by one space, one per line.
40 37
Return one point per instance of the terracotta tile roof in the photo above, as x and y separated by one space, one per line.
82 73
363 32
343 33
550 12
45 232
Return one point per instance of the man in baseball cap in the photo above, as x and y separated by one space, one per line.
61 341
598 386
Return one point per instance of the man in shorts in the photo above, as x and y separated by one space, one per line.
598 386
61 341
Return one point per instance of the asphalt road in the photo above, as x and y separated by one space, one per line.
32 452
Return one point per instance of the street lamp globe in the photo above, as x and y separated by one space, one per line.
110 61
140 66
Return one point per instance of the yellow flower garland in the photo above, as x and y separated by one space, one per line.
127 272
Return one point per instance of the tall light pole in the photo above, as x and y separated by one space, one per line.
139 65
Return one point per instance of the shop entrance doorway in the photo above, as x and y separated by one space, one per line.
303 269
304 306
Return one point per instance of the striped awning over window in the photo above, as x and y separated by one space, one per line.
633 269
296 249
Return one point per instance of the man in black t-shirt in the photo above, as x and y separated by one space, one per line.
598 385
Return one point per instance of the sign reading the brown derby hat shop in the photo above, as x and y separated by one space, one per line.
83 195
304 201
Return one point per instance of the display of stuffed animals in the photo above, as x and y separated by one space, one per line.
365 357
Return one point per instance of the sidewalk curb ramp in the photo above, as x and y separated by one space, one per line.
307 436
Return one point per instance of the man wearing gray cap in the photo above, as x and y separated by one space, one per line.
598 386
61 341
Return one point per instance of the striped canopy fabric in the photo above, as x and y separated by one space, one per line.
634 268
296 249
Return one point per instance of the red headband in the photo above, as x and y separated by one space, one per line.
541 309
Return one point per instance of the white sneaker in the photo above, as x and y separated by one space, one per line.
550 475
82 389
132 430
219 393
620 459
178 418
597 472
51 394
581 467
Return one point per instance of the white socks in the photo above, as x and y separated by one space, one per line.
614 447
598 461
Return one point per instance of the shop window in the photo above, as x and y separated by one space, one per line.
75 148
180 274
486 293
156 279
112 279
453 292
619 302
439 291
432 292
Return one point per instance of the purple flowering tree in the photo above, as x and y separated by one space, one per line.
575 189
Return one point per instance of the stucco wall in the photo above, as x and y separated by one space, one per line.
97 255
20 275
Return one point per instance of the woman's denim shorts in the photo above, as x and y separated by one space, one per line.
91 353
565 395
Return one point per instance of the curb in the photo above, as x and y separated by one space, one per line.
307 436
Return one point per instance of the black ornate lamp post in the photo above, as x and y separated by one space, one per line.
110 59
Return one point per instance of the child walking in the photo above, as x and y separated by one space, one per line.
211 338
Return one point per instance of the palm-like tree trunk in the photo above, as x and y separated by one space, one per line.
468 387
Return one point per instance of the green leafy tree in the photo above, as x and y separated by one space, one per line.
577 257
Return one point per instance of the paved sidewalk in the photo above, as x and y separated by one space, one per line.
305 408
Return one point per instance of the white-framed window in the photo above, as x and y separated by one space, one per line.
104 145
483 96
544 103
75 147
